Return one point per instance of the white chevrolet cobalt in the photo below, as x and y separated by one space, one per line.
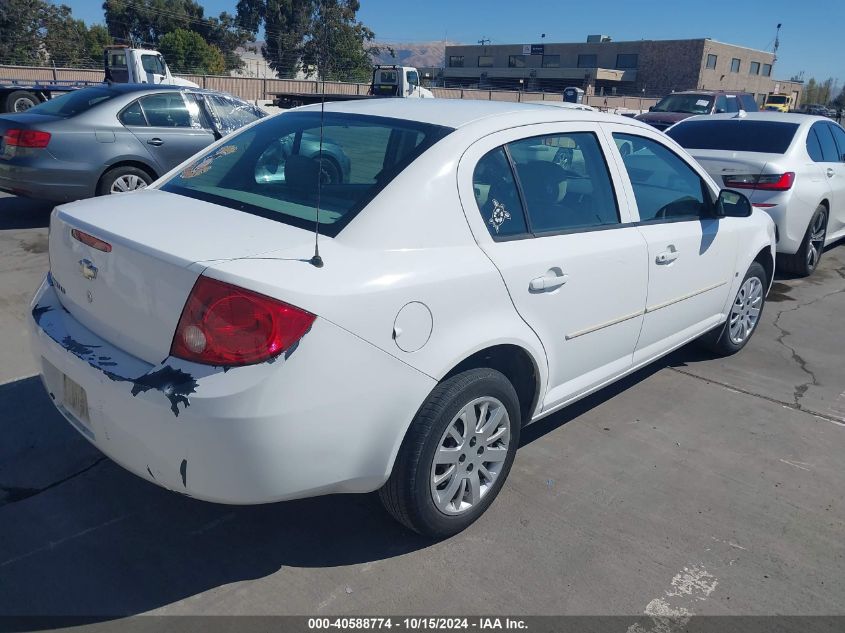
481 265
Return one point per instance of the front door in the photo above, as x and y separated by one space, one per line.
575 268
691 252
832 141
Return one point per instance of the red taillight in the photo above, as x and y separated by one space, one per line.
26 138
90 240
766 182
222 324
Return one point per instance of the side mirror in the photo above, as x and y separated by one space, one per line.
732 204
651 108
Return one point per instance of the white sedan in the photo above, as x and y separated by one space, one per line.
471 279
791 165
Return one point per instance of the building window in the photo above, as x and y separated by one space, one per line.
456 61
711 61
627 60
551 61
755 68
767 70
485 61
516 61
735 63
588 61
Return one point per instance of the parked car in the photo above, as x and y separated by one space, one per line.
681 105
334 163
465 287
792 167
111 138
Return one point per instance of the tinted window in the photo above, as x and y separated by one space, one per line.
497 197
456 61
686 103
565 182
485 61
272 169
132 115
839 137
814 149
166 110
830 153
73 103
665 187
739 135
231 113
627 60
733 103
516 61
551 61
587 61
747 103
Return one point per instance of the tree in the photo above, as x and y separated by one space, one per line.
306 34
96 39
20 31
145 22
187 52
64 38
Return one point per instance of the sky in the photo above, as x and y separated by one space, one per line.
811 38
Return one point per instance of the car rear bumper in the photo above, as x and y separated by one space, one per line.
47 182
327 418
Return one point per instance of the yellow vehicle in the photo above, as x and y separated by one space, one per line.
778 102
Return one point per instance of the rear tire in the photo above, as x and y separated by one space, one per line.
123 178
439 485
744 317
21 101
805 261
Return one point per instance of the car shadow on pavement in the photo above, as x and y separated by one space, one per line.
24 213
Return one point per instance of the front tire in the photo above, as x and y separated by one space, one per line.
805 261
456 454
744 317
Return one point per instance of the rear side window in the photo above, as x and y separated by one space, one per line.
830 153
739 135
497 197
747 103
665 187
231 113
274 169
814 148
839 137
565 182
132 115
73 103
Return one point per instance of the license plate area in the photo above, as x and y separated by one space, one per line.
75 400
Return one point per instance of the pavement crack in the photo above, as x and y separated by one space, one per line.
11 494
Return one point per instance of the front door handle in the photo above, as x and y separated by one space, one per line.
666 257
550 282
155 141
830 172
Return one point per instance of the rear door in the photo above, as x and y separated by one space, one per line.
543 207
171 128
691 253
834 168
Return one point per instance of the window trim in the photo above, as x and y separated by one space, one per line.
453 65
129 105
738 65
764 72
751 68
636 56
707 61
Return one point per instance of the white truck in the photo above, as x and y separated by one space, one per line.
388 81
122 64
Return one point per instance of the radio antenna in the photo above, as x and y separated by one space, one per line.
316 260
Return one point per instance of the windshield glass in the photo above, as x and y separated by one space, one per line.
735 135
272 168
686 103
73 103
778 99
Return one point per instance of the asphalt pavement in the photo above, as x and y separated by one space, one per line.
698 485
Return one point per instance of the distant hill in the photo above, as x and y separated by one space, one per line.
419 54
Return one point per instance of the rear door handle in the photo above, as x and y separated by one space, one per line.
666 257
539 284
155 141
830 172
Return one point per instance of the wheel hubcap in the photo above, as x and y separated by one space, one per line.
470 455
746 310
129 182
23 104
816 245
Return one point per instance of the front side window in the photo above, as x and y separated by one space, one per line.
485 61
587 61
565 182
497 197
551 61
627 60
735 65
665 187
516 61
456 61
711 61
152 64
167 110
275 169
412 78
754 69
839 137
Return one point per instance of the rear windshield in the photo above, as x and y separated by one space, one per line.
73 103
686 103
271 169
769 137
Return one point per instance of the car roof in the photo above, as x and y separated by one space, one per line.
764 115
133 88
709 92
457 113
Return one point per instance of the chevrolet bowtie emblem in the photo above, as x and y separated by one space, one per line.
88 269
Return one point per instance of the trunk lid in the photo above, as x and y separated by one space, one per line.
160 242
22 121
720 163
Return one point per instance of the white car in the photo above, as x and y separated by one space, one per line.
791 165
466 285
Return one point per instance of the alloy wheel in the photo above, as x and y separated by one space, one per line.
817 236
746 310
129 182
470 455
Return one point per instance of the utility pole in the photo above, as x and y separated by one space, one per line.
777 44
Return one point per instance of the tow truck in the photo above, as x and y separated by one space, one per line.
387 81
122 64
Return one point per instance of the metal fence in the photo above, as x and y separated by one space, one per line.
253 88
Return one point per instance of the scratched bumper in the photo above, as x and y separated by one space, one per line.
313 423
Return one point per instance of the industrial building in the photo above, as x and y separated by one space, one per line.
602 66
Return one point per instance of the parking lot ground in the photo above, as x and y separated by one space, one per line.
710 486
